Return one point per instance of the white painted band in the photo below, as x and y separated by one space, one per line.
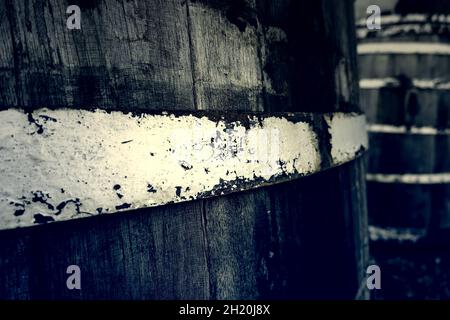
65 164
404 48
431 84
389 129
396 234
417 24
431 178
395 30
409 18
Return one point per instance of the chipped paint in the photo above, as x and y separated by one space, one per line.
404 48
409 178
348 135
65 164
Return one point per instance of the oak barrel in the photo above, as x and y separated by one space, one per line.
304 238
405 92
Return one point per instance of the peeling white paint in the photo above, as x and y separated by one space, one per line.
396 234
389 129
430 84
66 164
409 178
348 135
404 48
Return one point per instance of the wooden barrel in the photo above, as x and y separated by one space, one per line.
405 92
305 238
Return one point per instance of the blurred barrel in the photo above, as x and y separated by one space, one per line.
301 239
405 92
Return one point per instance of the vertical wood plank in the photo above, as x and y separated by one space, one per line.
227 74
8 93
226 65
319 221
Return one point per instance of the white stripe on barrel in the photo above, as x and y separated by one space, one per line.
404 48
389 129
430 178
387 20
66 164
430 84
396 234
394 25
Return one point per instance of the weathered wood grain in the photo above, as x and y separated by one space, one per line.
127 53
226 65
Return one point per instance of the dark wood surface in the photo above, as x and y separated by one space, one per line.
302 239
386 105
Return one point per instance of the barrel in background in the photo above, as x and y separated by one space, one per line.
405 91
